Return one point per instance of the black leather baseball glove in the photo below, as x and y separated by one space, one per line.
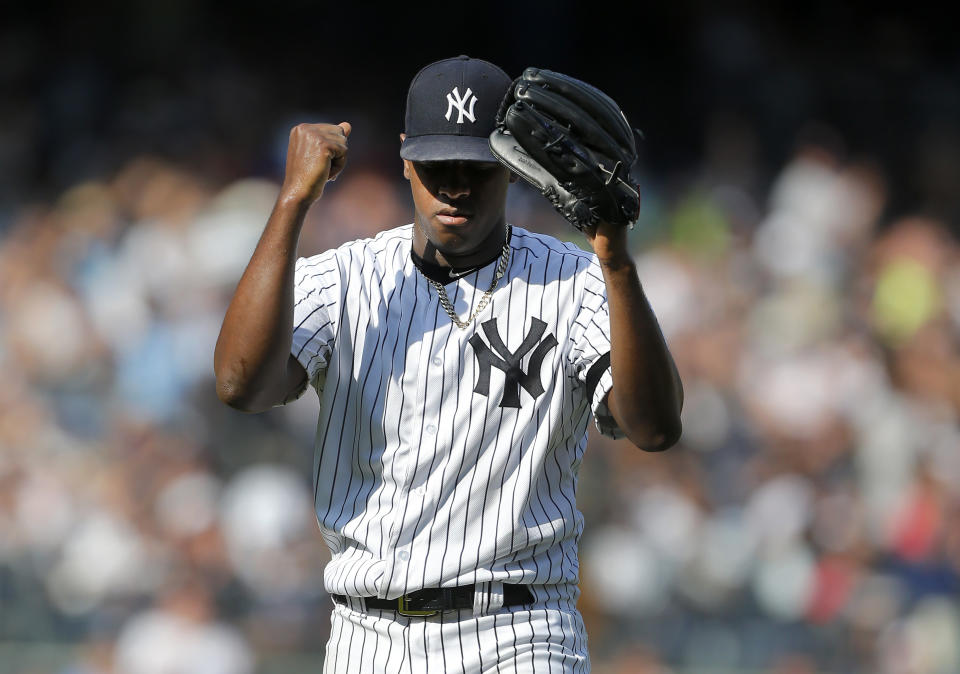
572 143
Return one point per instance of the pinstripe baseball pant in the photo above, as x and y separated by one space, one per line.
545 637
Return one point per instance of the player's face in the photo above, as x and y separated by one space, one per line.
459 209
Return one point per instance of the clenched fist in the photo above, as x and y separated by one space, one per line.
316 153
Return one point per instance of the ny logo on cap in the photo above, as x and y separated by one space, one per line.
455 101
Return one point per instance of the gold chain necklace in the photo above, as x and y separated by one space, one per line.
448 305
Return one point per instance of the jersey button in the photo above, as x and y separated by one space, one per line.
431 429
403 555
437 362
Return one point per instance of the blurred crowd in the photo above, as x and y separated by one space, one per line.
809 520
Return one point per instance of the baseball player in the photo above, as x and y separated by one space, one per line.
458 360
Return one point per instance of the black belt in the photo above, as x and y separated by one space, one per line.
433 600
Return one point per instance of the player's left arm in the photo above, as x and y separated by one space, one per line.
647 394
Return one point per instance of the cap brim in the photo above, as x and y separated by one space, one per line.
447 148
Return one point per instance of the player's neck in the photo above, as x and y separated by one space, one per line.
450 274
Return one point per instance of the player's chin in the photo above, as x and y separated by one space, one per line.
456 234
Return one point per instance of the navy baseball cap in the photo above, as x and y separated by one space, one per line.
451 108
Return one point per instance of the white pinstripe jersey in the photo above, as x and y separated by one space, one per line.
443 456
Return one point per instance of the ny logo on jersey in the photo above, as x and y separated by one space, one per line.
509 362
455 101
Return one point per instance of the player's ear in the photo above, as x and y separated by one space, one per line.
406 167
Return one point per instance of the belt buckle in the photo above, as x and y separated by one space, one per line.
402 604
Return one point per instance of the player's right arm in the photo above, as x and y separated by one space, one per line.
252 361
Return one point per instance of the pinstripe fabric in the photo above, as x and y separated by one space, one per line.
546 637
420 481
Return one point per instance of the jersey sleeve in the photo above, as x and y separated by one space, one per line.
316 297
590 354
